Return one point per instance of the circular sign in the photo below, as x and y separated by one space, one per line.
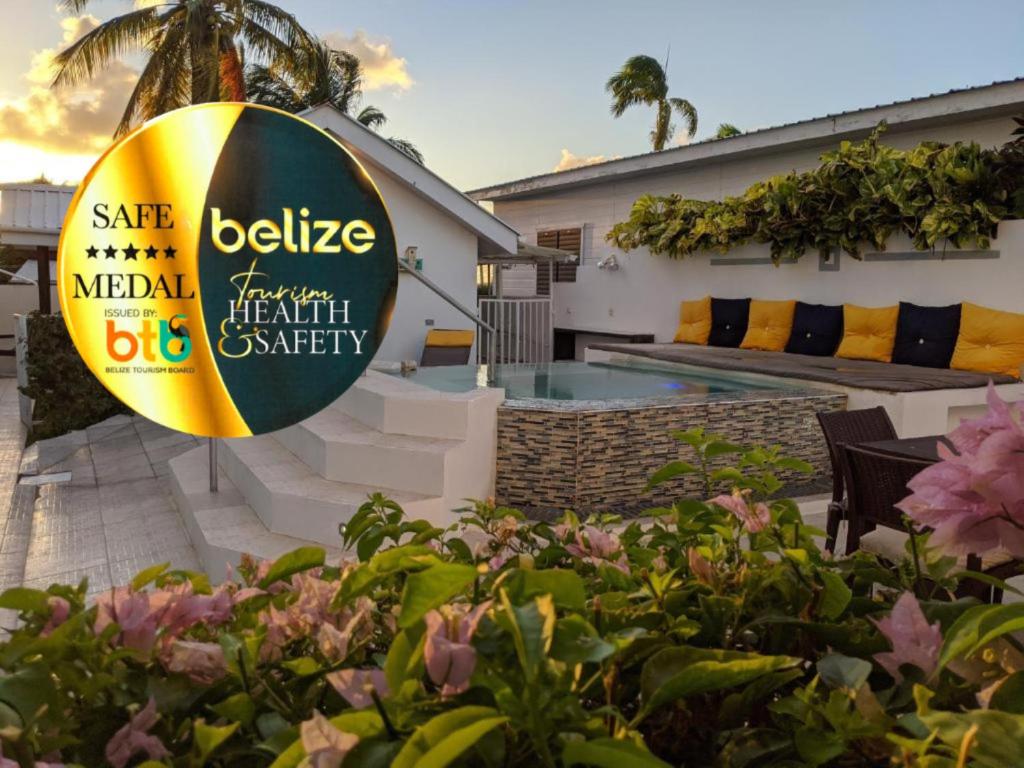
227 269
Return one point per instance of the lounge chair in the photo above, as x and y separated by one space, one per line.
446 347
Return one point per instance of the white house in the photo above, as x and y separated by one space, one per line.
448 231
642 296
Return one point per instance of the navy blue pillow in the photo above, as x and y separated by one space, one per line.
729 319
817 329
926 335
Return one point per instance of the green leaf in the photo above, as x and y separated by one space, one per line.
444 738
297 561
676 673
1009 696
609 753
978 626
145 577
721 448
28 690
839 671
432 588
303 666
817 746
565 587
576 641
404 656
669 471
239 708
835 597
209 737
532 627
25 600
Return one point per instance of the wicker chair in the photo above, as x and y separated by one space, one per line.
848 427
875 483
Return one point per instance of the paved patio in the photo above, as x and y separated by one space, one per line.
109 518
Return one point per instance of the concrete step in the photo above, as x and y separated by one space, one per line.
338 447
396 406
221 526
292 499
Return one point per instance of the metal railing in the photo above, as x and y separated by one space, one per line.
523 326
483 326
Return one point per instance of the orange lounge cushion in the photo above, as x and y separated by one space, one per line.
990 341
869 333
769 326
694 322
441 337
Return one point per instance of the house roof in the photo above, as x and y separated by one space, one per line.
32 214
1000 98
493 235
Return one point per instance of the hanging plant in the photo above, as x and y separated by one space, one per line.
861 194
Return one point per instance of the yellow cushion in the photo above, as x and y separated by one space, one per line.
868 333
769 325
438 337
694 321
990 341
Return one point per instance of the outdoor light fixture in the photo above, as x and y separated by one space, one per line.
609 262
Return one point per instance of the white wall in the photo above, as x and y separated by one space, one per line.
449 253
18 299
644 295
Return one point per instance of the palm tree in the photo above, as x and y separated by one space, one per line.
642 80
322 76
195 50
726 130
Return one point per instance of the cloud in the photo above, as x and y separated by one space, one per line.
67 121
570 161
381 67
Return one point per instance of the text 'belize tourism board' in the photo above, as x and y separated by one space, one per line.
227 270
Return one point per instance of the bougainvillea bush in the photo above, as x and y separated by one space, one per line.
716 633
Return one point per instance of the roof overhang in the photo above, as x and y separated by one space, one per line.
532 254
996 100
494 236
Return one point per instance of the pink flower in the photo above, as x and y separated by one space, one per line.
134 739
914 641
6 762
448 652
59 610
973 499
356 686
305 615
754 520
130 611
202 662
325 745
699 566
595 546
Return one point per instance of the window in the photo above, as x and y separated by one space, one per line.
570 240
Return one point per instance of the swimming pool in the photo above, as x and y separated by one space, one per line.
571 380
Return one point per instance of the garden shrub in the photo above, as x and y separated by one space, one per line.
717 634
67 396
861 194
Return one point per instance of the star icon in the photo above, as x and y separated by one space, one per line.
110 252
131 252
92 251
151 252
169 252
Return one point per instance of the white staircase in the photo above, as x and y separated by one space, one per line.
425 449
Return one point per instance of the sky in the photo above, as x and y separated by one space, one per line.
494 90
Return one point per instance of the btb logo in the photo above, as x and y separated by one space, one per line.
174 342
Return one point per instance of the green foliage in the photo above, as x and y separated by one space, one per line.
717 633
67 395
861 194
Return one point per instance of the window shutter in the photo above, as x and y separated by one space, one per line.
545 240
570 240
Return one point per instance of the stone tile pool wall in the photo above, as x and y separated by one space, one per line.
598 455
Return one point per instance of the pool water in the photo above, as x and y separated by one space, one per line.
571 380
